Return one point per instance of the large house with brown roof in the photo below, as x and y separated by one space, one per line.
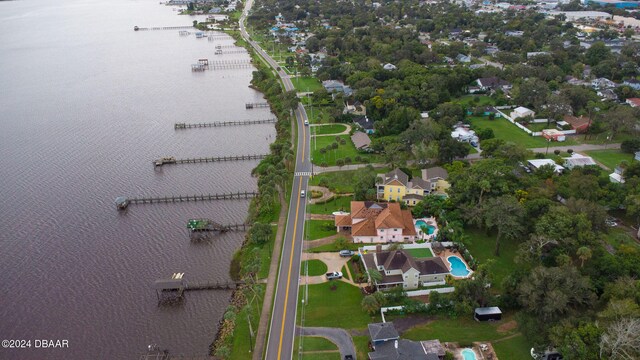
399 268
371 222
579 124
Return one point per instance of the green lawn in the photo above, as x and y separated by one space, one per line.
343 151
314 343
318 229
328 129
241 349
617 236
516 348
610 158
463 330
318 114
306 84
482 249
331 248
467 100
338 203
344 272
507 131
318 355
316 267
472 150
362 346
420 253
334 308
265 255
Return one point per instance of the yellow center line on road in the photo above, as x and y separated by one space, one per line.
286 296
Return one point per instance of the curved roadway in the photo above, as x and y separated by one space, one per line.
283 317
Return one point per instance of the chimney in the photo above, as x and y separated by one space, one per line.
378 248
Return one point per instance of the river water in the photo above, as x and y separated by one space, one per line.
86 103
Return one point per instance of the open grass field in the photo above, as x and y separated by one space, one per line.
328 129
420 253
343 151
306 84
318 229
332 248
334 308
617 236
265 255
610 158
318 114
316 267
362 346
507 131
339 203
340 182
482 248
466 330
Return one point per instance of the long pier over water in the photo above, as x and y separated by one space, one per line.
123 202
136 28
171 160
178 126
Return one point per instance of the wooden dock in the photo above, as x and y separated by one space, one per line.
171 160
212 285
178 126
208 225
136 28
231 51
220 37
256 105
228 47
187 198
230 64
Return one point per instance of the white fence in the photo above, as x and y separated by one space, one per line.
423 292
404 246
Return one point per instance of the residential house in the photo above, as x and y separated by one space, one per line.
536 53
579 124
538 163
578 160
491 50
399 269
632 83
634 102
361 140
617 176
462 133
333 86
372 222
607 94
602 83
363 122
521 111
493 83
553 135
395 185
437 179
463 58
354 107
381 333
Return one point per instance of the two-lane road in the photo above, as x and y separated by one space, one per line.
283 317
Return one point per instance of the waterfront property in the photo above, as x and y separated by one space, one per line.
399 269
371 222
458 267
396 186
427 228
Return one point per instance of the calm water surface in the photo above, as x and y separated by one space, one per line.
86 103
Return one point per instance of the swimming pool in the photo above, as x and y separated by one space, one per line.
422 223
458 267
468 354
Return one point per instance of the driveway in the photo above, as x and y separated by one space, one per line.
340 337
334 262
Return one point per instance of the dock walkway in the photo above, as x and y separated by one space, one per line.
178 126
171 160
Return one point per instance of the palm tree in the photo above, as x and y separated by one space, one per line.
374 276
584 253
370 304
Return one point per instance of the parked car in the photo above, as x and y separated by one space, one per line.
348 357
346 253
334 275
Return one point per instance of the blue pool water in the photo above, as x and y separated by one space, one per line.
468 354
430 228
458 268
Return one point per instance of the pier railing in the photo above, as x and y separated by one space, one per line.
185 198
167 161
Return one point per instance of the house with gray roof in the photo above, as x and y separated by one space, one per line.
399 269
577 160
387 345
361 140
336 86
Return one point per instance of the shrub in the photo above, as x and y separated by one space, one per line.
630 146
570 151
340 162
557 152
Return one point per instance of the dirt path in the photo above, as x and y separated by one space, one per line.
326 194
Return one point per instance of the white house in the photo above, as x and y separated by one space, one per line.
464 134
578 160
521 111
538 163
372 222
616 176
389 66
